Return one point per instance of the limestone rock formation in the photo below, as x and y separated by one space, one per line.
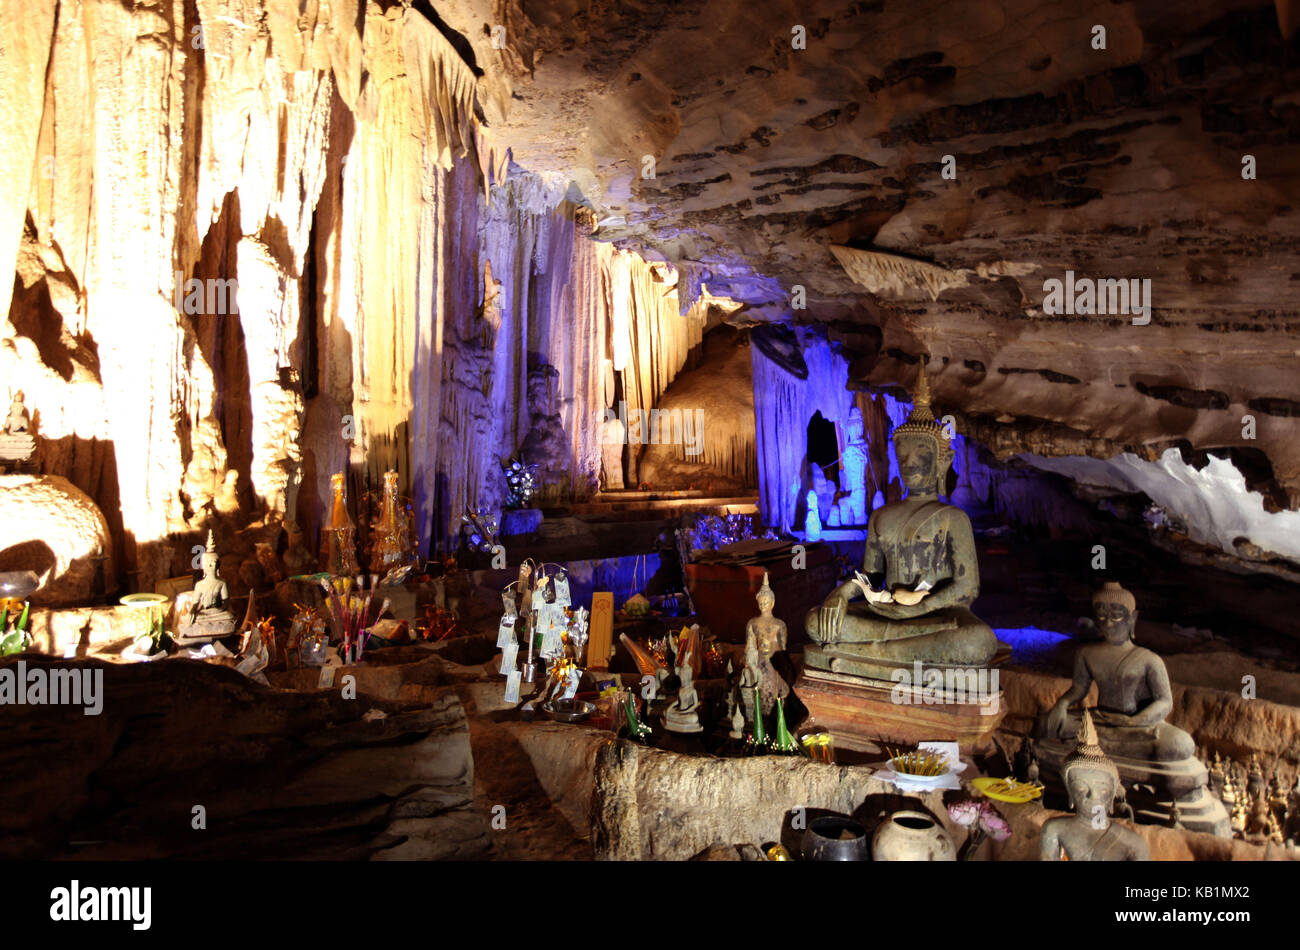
278 772
652 805
53 528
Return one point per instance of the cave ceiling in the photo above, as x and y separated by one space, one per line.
776 168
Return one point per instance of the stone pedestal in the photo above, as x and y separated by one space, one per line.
1184 779
862 713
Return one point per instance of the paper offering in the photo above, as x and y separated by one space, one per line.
506 632
508 657
512 686
562 590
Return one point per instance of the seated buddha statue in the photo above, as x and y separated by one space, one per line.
684 714
1092 781
208 617
1156 759
1133 692
919 574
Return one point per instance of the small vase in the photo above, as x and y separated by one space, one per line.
912 836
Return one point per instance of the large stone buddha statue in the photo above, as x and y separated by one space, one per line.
1133 699
919 574
1133 692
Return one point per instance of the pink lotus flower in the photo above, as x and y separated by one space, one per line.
993 824
983 821
965 812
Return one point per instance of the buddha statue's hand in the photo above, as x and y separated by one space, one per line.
1056 719
831 618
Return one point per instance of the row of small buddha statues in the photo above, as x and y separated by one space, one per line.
204 613
1261 810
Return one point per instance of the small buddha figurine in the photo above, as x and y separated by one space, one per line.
853 473
16 441
764 636
1257 819
1255 781
340 554
684 714
812 522
18 421
1277 796
1291 822
1239 817
1216 775
1092 780
919 575
208 617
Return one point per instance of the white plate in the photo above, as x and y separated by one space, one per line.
918 779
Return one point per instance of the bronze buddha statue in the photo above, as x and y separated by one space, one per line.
1092 781
919 575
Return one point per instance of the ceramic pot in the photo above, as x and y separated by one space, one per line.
824 840
912 836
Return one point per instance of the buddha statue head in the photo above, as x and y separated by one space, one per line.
924 453
766 599
1091 778
1115 612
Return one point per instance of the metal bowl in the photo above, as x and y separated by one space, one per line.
568 710
823 842
18 584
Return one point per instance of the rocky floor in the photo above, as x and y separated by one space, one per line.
431 762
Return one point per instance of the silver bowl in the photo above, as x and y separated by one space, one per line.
18 584
568 710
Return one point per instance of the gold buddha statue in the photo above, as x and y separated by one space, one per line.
919 575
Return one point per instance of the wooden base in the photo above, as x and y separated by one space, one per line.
861 713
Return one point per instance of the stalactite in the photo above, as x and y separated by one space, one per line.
357 219
886 273
783 407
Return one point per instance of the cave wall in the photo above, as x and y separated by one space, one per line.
332 159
